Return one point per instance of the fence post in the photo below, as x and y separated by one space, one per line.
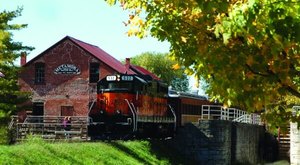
294 140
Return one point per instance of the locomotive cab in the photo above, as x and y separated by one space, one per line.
116 105
128 104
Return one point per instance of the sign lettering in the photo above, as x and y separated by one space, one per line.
67 69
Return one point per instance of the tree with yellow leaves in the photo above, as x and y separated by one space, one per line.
246 50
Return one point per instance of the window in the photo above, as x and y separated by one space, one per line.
94 72
120 85
39 73
67 110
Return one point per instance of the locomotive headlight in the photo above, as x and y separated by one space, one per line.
118 112
101 112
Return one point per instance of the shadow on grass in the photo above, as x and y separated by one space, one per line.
129 152
162 149
159 149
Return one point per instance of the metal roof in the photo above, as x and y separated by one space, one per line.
102 56
143 71
93 50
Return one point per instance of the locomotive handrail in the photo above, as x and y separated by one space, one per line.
137 95
90 120
175 119
136 116
133 114
115 90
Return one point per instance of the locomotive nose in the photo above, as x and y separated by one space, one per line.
118 106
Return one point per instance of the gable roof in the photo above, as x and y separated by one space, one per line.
143 71
102 55
93 50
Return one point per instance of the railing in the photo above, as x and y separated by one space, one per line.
235 113
295 109
91 106
13 121
48 127
134 115
175 118
211 112
249 118
218 112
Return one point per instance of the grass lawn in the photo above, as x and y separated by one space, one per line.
36 151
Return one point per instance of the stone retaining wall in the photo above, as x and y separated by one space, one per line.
220 142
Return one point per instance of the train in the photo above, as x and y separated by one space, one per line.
187 106
140 105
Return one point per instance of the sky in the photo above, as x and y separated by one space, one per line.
91 21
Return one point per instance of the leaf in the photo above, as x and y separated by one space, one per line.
176 66
226 37
183 39
250 60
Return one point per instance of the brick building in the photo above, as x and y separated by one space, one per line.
62 79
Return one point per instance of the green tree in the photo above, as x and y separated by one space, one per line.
10 95
246 50
162 66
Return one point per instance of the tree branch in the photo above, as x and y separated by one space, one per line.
292 91
270 73
257 72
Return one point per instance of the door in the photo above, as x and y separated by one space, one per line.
38 109
38 112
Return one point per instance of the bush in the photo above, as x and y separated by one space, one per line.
4 136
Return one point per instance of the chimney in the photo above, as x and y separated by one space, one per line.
127 65
23 58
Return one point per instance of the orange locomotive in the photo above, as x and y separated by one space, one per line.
131 104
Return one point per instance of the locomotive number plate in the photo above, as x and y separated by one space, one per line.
111 78
127 78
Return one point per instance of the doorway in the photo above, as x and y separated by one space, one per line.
38 109
38 112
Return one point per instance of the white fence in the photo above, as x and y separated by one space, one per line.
295 138
218 112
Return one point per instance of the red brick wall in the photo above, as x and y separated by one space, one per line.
62 89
